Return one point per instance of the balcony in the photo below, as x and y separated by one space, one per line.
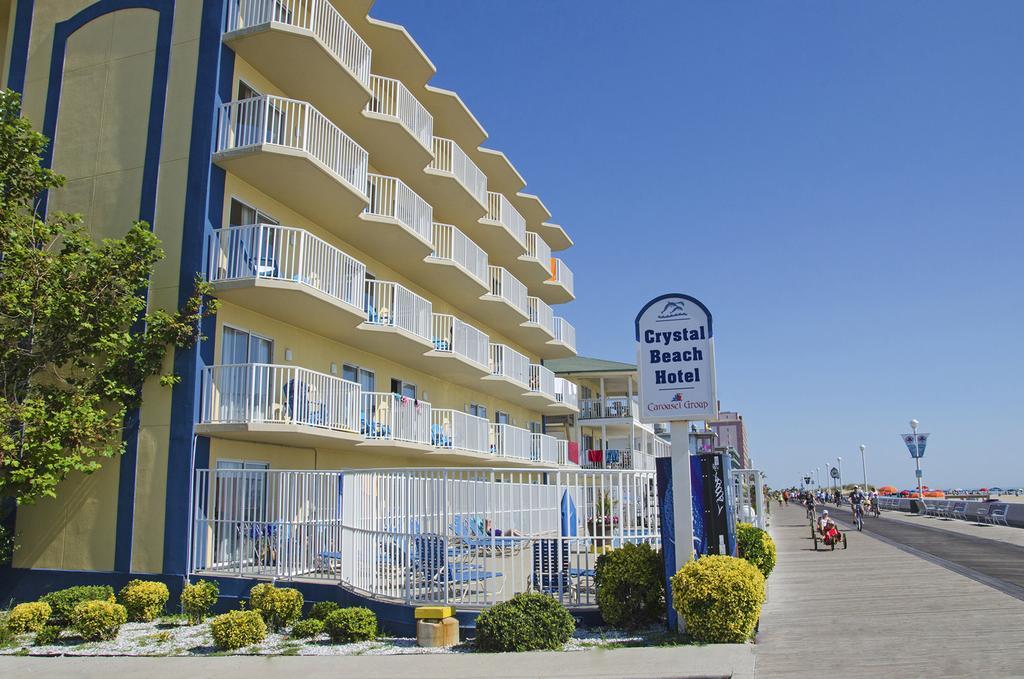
614 458
394 423
279 404
563 454
457 435
288 274
399 320
509 376
395 128
510 442
291 152
396 225
505 307
534 268
542 385
454 183
459 351
559 288
300 45
457 267
543 448
504 235
542 320
566 398
564 344
611 407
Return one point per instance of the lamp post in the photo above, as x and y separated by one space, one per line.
863 467
840 461
817 477
917 460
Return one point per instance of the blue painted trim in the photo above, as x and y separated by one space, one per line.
203 208
19 46
671 295
125 520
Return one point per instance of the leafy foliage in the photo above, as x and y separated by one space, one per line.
347 625
98 620
76 343
144 600
307 629
28 617
321 609
720 598
279 606
63 601
527 622
238 629
756 546
47 635
198 598
630 586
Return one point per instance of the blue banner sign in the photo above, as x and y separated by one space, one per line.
916 446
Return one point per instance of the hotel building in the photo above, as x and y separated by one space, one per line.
389 292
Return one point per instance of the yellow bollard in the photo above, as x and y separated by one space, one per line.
436 626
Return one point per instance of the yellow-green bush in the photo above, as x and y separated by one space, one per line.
30 617
630 585
529 621
98 620
756 546
347 625
143 600
238 629
307 629
279 606
720 598
63 601
46 636
197 599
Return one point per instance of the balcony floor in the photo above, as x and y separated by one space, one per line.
391 447
533 337
294 435
497 313
501 246
294 60
532 273
557 349
558 408
393 149
453 203
450 366
451 281
509 390
293 303
555 293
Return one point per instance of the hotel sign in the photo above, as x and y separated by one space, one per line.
676 361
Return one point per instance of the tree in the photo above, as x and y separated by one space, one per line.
76 340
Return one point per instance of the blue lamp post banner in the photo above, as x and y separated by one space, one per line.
676 361
916 447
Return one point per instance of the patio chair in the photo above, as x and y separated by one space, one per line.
441 344
438 438
959 511
551 572
298 404
997 514
982 515
432 564
264 266
471 536
327 561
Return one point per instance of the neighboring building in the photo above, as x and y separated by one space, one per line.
386 285
607 430
732 436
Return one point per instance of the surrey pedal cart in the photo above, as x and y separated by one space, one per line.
828 538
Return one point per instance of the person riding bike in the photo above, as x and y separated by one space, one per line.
809 502
857 503
875 509
828 529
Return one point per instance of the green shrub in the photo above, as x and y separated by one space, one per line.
47 635
527 622
322 609
630 586
279 606
63 601
197 599
307 629
720 598
29 617
238 629
144 600
6 635
756 546
347 625
98 620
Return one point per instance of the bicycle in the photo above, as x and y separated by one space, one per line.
858 516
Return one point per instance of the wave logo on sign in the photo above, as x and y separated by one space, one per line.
672 310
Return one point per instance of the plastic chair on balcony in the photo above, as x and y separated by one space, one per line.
438 438
300 407
264 266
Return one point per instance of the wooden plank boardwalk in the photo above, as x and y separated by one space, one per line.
878 609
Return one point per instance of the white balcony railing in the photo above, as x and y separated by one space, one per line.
507 362
542 380
661 448
500 210
543 448
563 454
394 305
392 417
276 121
614 458
509 288
537 248
511 442
449 157
250 393
611 406
566 392
541 314
560 273
319 17
451 335
286 254
452 245
456 430
565 332
390 197
393 99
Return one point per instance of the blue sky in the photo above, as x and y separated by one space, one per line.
842 183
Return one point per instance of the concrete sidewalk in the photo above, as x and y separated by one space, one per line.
725 660
877 610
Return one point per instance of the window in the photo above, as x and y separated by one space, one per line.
501 418
404 388
585 391
365 378
246 91
477 410
242 497
588 441
242 346
535 428
241 214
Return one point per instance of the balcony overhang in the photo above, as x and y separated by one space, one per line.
453 203
395 447
394 342
502 176
500 314
554 235
294 303
452 118
297 179
452 366
559 349
540 400
555 292
532 272
502 247
507 389
299 64
293 435
390 241
560 408
533 336
393 147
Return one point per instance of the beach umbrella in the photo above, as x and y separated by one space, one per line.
569 528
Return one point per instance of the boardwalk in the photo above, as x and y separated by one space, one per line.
878 609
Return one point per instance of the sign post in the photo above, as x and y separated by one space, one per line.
676 366
916 443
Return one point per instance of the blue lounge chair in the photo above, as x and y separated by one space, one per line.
438 437
441 344
431 564
551 572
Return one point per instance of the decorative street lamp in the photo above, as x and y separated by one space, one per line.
863 467
840 461
917 460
